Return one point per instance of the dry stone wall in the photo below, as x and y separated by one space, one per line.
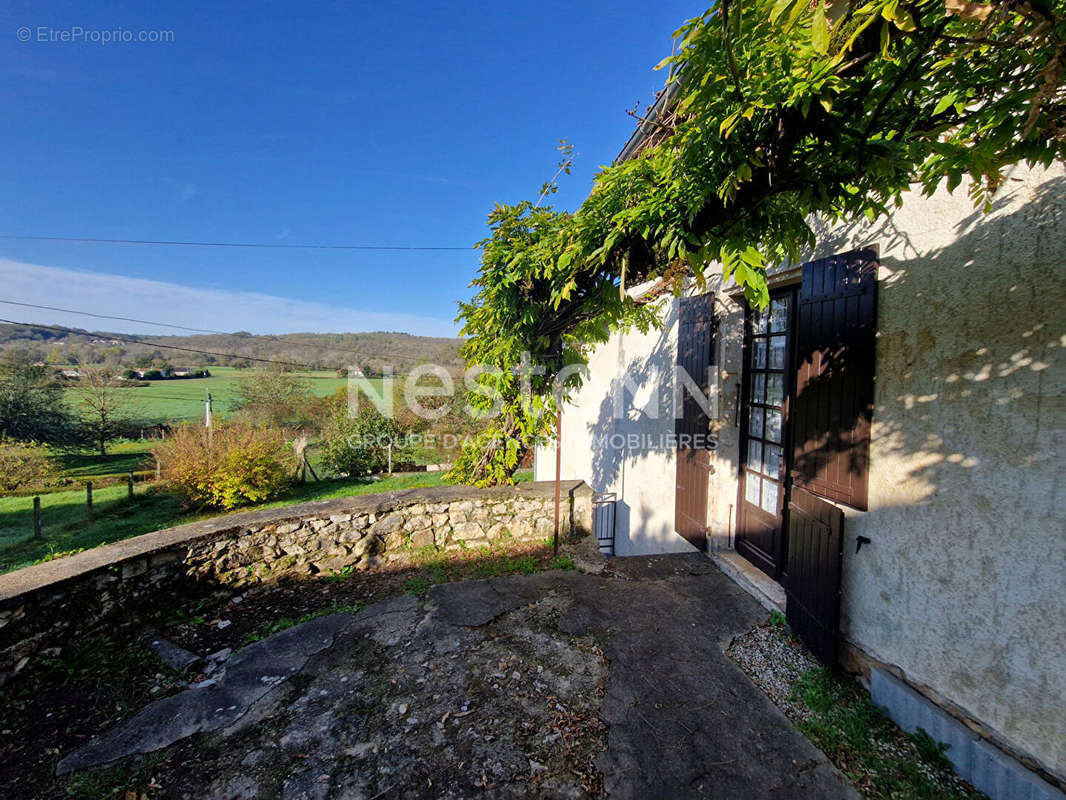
366 539
42 606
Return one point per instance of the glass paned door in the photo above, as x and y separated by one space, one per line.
762 491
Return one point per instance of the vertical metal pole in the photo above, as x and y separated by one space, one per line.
89 497
207 419
37 518
390 456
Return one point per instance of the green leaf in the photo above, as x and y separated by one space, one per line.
780 7
904 20
752 256
728 124
819 29
944 102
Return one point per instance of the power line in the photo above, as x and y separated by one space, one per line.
272 337
259 245
108 316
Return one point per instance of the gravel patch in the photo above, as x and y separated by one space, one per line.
773 661
887 763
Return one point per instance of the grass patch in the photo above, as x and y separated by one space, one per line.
866 745
562 562
66 527
122 457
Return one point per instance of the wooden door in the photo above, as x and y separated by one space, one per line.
696 355
764 441
690 503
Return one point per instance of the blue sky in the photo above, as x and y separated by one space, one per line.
360 123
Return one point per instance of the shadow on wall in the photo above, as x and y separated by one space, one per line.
968 343
962 585
634 414
959 331
638 403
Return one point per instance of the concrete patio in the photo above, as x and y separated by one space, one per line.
510 687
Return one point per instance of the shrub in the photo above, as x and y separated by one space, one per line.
242 465
358 445
24 464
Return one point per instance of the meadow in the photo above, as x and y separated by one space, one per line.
183 398
67 526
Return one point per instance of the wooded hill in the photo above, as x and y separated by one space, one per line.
371 352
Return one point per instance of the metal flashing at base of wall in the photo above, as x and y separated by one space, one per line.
989 769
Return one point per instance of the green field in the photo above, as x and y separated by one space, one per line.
183 398
122 457
66 527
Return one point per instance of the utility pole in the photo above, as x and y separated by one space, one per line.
207 418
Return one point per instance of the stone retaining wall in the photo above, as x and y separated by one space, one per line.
42 605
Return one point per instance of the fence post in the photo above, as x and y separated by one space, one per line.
36 517
129 479
89 497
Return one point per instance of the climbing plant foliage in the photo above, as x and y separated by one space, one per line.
777 112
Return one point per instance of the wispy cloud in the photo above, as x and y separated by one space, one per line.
214 309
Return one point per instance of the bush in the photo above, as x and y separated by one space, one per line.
359 445
24 464
244 464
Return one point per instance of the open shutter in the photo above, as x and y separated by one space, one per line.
695 354
834 394
812 578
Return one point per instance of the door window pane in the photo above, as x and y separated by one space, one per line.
759 320
758 387
777 352
752 484
755 455
773 426
769 497
775 390
779 315
771 459
759 354
755 422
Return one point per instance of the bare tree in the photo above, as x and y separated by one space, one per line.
103 409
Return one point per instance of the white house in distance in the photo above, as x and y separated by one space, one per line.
890 439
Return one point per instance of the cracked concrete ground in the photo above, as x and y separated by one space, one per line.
552 685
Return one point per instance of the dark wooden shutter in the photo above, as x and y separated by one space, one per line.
812 577
695 353
834 395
